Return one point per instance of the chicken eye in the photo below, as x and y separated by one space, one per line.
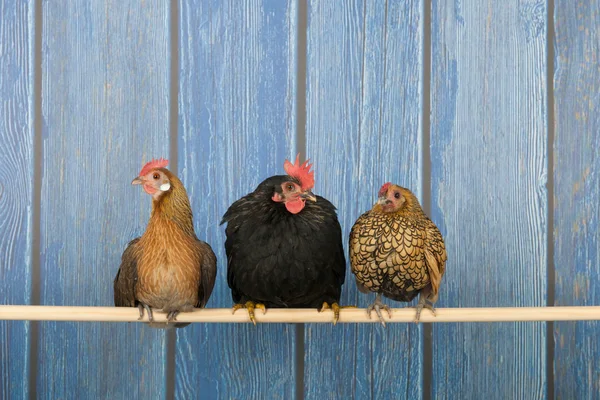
397 195
156 175
290 188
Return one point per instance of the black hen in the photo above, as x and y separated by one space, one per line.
284 246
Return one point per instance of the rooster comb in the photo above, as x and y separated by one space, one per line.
160 163
384 189
301 172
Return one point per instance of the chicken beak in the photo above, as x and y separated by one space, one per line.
382 201
308 195
137 181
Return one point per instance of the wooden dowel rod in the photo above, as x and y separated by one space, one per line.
116 314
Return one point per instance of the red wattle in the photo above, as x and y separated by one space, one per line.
295 206
149 189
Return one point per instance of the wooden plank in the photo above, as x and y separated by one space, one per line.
576 194
105 107
237 125
488 151
16 189
363 129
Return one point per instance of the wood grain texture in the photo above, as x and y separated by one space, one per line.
488 151
16 195
577 193
105 94
236 127
363 129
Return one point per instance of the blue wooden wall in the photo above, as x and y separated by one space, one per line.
488 110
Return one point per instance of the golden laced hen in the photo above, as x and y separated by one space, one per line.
397 251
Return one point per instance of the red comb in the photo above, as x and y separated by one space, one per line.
160 163
301 172
384 189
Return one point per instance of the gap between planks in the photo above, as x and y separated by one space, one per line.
355 315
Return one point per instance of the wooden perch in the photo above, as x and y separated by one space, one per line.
115 314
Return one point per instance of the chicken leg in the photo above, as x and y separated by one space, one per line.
426 300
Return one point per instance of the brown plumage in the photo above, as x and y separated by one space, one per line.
397 251
167 267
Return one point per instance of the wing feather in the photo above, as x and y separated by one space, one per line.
435 255
208 274
127 276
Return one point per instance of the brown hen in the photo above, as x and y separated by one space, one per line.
397 251
167 267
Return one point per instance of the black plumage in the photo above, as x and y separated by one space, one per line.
281 259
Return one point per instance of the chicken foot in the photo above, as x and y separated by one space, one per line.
378 306
171 316
426 300
335 307
250 306
142 307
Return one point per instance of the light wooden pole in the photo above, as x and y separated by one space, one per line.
349 315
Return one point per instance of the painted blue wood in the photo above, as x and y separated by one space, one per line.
236 127
576 194
105 93
488 151
363 129
105 108
16 188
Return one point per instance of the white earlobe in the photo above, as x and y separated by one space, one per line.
165 186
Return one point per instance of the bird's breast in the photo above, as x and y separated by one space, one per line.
168 272
387 255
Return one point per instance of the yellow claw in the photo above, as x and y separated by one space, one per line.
250 306
335 307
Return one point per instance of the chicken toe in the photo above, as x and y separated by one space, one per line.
142 307
172 316
378 306
250 306
335 307
423 303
